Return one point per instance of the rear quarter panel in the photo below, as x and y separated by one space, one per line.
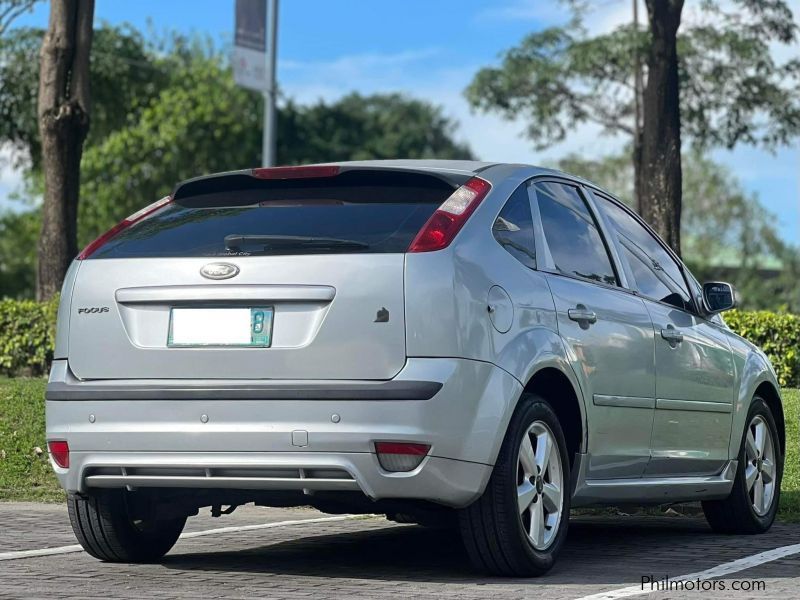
447 300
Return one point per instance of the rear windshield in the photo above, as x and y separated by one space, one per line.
239 215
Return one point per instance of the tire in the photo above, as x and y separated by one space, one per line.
494 529
104 528
737 514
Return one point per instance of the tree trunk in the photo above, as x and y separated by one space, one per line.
660 168
63 113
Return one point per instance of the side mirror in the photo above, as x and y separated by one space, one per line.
718 296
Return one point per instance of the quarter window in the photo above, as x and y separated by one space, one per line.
572 234
513 228
656 274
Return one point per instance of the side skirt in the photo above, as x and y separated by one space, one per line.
648 490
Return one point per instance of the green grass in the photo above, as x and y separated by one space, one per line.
25 472
790 489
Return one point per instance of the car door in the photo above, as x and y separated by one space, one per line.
694 364
607 332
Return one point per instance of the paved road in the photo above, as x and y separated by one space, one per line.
374 558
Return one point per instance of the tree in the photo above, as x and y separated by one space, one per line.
360 127
659 165
727 233
730 89
63 111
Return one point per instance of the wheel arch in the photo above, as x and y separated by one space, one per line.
769 393
563 394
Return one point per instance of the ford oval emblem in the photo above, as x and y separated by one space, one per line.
219 271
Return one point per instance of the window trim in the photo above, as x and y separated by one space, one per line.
547 265
593 191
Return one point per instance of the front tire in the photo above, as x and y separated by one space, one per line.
519 525
105 527
753 502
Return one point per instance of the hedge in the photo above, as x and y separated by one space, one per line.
27 337
777 334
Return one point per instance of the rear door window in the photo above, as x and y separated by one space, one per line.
572 235
354 212
513 228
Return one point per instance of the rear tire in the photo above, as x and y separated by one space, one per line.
104 527
519 525
753 501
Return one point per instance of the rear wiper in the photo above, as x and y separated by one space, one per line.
235 242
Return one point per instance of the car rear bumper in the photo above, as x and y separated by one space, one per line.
127 433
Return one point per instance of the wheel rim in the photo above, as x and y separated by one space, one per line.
760 468
540 485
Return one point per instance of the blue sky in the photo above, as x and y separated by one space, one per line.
430 49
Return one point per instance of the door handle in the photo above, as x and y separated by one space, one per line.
672 335
583 316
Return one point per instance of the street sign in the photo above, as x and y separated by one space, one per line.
250 44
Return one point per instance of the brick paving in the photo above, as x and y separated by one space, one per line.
374 558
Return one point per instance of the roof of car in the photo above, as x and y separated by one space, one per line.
462 166
444 166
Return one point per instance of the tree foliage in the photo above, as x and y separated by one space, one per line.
360 127
18 234
733 90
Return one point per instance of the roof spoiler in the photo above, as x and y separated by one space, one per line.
271 177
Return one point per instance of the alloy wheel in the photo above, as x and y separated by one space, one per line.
540 485
760 469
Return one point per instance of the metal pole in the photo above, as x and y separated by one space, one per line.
270 93
637 71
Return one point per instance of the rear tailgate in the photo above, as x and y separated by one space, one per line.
271 274
325 312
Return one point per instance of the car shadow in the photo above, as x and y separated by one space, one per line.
603 550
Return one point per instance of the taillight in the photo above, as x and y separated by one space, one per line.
122 225
400 456
296 172
450 217
59 451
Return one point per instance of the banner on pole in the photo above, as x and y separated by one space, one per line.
250 44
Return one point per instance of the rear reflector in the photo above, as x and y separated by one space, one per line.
59 451
450 217
123 225
295 172
400 456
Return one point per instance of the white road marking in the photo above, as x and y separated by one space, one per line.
734 566
193 534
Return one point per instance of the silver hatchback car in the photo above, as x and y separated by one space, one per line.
439 341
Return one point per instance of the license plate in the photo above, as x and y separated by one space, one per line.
250 327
